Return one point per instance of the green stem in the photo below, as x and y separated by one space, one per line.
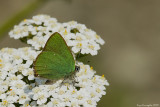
19 16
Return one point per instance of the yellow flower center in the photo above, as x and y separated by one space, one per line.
85 71
55 102
36 28
16 57
16 32
91 47
73 104
84 80
35 38
80 97
19 85
4 83
12 93
25 29
65 32
78 38
31 57
86 30
0 92
73 92
25 20
14 78
66 99
10 51
97 37
92 95
1 65
51 87
23 97
79 45
30 72
44 29
102 77
89 102
35 90
41 97
26 105
94 79
66 84
40 42
61 92
20 68
88 37
98 90
91 68
72 22
25 49
5 103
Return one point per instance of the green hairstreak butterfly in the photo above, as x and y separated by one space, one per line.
56 60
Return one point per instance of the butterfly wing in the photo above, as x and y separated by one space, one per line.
56 59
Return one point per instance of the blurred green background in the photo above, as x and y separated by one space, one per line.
131 28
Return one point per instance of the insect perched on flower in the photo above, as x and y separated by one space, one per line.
51 56
56 60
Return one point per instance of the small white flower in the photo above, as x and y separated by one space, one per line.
3 75
4 84
37 42
26 104
74 103
6 103
66 99
79 46
41 97
2 93
12 95
28 72
19 84
94 96
89 103
54 103
23 98
12 77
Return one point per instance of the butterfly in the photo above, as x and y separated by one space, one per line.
56 60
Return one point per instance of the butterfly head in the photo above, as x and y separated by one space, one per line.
77 68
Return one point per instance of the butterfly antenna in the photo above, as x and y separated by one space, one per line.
79 54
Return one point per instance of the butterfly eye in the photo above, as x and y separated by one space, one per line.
77 68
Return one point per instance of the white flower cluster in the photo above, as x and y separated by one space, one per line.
37 30
19 87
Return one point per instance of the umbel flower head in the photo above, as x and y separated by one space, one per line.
37 30
20 88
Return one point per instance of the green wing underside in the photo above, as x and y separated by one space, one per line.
56 60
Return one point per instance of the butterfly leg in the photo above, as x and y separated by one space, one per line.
74 81
63 81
